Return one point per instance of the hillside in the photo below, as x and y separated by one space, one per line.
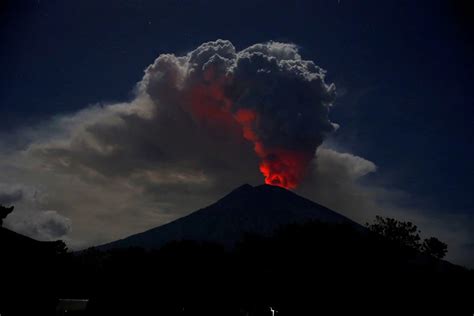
260 209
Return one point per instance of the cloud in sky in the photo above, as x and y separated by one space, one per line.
10 195
200 125
28 218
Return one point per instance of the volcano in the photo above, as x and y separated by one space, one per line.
247 209
299 270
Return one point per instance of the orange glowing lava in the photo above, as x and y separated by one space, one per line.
284 168
280 167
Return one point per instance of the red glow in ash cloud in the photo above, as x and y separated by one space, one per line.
265 94
284 168
209 105
279 166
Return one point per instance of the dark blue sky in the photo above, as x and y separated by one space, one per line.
403 70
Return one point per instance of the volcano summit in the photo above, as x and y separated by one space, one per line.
261 209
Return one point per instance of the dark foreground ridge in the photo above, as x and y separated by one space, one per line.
28 268
260 209
294 257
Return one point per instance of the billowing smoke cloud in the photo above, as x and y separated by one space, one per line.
28 216
267 92
9 195
41 225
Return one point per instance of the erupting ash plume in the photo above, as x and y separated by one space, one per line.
279 166
265 93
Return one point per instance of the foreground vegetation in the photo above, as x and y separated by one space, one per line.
301 270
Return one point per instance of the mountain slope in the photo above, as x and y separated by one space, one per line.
30 277
247 209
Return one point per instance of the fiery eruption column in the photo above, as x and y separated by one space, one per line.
266 94
279 167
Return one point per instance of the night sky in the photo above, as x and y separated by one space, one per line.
403 72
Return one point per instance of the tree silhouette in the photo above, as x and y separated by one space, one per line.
434 247
59 247
4 211
405 233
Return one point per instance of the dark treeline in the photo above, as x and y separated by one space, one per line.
308 269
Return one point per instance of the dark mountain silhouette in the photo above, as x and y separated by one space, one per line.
11 241
290 254
261 209
29 273
14 245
